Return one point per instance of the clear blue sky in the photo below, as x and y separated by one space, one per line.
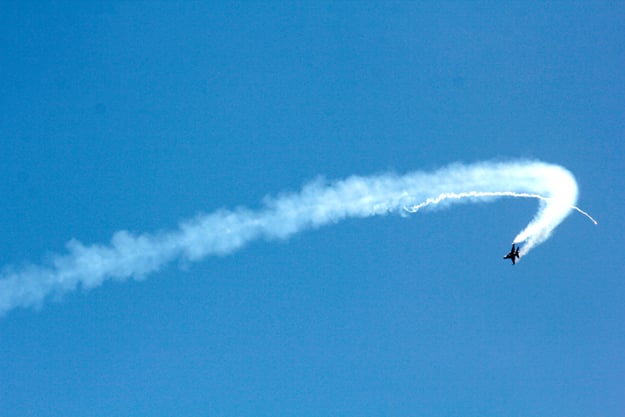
137 115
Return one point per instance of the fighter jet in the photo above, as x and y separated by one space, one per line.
513 254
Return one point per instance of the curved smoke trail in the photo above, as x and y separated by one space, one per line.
317 204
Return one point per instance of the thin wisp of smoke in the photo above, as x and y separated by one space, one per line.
483 194
317 204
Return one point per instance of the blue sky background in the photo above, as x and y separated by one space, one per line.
139 115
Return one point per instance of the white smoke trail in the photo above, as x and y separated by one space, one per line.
317 204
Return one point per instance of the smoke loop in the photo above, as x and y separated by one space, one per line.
319 203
